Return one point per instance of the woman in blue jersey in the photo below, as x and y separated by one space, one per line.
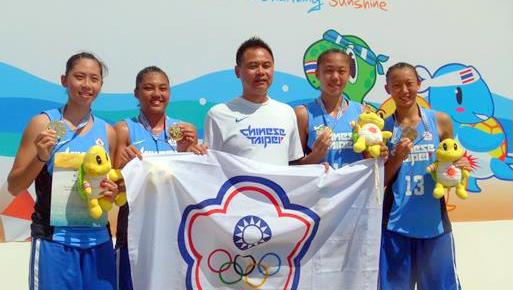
417 243
147 133
79 255
325 123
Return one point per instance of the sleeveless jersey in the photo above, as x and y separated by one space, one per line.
341 151
73 143
410 208
145 142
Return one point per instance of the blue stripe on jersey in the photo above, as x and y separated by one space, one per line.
414 212
341 151
145 142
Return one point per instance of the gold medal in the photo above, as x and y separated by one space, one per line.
175 133
321 129
409 133
58 127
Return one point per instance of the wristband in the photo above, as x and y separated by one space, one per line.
40 160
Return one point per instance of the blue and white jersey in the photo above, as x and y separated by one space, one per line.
410 208
143 139
341 151
71 142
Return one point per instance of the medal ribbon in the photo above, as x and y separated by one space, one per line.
147 126
344 104
77 130
396 137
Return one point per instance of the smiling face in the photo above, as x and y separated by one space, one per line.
83 81
153 93
468 103
333 72
255 71
403 86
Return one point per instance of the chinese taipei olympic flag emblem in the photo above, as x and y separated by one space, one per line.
249 237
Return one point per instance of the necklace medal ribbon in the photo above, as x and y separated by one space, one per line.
325 126
60 128
169 131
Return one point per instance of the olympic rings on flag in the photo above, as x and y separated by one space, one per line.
221 269
243 270
225 267
249 268
278 264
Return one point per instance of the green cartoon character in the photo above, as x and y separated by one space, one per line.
364 63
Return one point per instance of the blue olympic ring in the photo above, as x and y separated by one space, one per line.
278 264
241 270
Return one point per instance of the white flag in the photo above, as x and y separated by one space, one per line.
224 222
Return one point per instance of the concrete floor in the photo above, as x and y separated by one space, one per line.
484 257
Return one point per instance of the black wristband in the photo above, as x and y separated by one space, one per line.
41 160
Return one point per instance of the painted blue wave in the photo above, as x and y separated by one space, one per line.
24 95
16 83
215 87
221 86
15 113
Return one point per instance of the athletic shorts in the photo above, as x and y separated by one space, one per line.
55 266
427 263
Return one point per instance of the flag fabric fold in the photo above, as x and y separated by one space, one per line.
220 221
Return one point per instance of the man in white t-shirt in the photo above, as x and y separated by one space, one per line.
254 125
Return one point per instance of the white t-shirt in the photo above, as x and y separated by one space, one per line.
265 132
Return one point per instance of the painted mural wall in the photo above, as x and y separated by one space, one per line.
462 51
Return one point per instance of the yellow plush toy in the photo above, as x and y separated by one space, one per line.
96 167
445 174
367 134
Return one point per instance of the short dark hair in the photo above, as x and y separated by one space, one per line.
78 56
147 70
401 65
323 55
253 42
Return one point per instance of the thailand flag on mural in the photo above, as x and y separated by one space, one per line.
466 76
310 66
224 222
